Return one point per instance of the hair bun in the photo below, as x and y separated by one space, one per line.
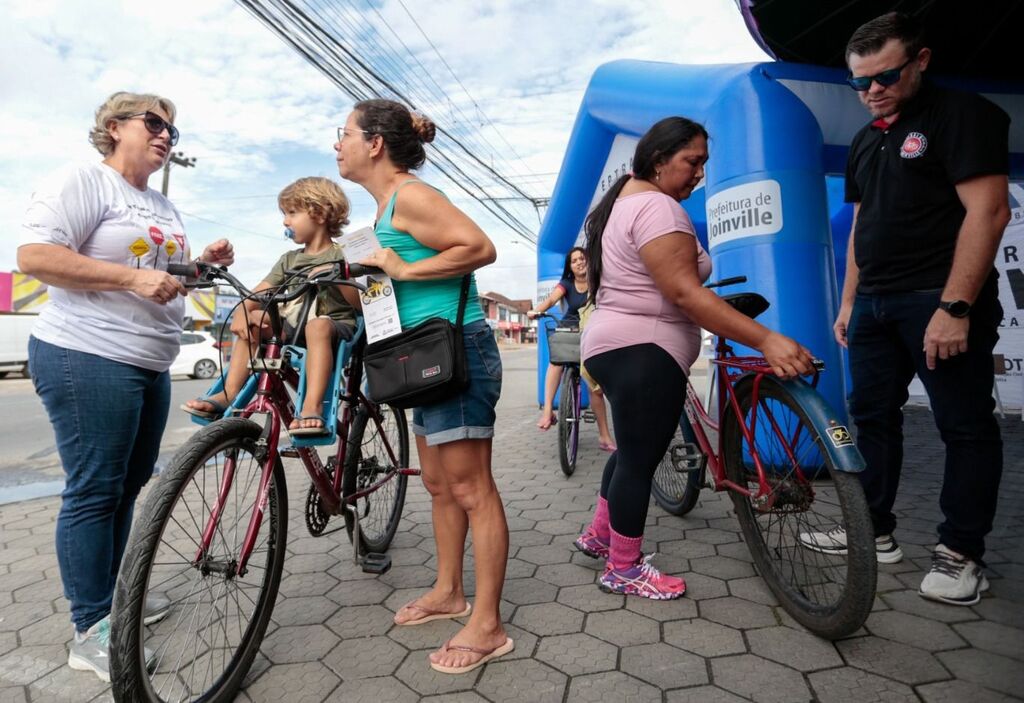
424 128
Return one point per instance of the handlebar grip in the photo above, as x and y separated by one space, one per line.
189 270
357 270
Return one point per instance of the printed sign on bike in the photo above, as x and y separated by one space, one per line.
747 210
840 436
380 309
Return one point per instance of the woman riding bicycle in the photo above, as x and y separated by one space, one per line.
646 274
428 246
573 289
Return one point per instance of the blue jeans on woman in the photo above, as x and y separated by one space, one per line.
108 418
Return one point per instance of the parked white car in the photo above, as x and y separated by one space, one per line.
199 357
15 329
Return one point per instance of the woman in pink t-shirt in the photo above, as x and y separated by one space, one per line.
646 274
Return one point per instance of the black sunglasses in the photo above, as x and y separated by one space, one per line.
155 124
885 78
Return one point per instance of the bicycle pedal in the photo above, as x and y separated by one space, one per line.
289 451
687 457
376 563
589 416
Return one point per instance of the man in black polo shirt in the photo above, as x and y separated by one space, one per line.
928 179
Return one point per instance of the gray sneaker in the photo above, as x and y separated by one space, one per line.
953 579
156 608
887 551
90 651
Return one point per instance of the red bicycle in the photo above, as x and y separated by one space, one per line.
211 535
789 464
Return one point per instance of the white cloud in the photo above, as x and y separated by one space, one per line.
257 116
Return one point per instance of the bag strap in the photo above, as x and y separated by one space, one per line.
463 297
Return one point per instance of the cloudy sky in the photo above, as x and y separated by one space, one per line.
256 116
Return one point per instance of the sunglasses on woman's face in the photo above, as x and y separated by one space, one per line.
155 124
884 79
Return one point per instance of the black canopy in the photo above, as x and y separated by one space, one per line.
969 38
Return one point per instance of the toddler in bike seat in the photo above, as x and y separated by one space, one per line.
315 210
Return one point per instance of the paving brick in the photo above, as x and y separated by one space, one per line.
387 689
759 679
315 584
688 549
308 610
799 650
545 554
13 694
365 658
524 681
663 610
960 691
622 628
700 586
998 610
577 654
565 574
548 619
26 664
752 589
702 694
993 637
892 659
910 602
704 638
429 635
309 682
528 590
590 598
912 629
986 669
737 613
663 665
416 673
849 685
611 685
361 621
461 697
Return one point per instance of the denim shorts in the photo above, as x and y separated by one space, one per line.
469 415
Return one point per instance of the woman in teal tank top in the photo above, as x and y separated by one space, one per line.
428 245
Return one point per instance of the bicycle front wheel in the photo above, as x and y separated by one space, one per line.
569 420
678 480
369 463
202 650
830 594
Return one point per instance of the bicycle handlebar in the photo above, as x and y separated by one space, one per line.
199 274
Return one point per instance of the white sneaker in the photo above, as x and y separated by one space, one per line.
887 551
953 579
156 607
90 651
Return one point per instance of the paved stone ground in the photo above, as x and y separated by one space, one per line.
332 638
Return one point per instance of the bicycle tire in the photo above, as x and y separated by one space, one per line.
569 420
158 525
675 492
380 511
830 595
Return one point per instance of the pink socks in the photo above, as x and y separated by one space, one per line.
600 524
623 551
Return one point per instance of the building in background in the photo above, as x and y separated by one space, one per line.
508 318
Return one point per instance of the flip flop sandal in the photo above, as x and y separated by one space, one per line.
309 431
430 614
219 408
486 655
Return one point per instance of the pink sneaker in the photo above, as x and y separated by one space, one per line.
642 579
592 545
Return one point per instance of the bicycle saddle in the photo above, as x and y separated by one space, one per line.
750 304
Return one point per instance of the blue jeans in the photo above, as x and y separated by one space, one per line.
886 339
108 418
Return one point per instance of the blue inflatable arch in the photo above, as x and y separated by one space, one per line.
771 207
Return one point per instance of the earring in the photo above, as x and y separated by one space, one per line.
657 176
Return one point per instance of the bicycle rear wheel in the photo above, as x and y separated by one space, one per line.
829 594
569 419
204 648
368 463
677 481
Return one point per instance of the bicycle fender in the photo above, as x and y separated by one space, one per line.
838 442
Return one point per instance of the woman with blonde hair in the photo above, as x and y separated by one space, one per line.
99 353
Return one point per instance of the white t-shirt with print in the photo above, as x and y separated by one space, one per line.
91 209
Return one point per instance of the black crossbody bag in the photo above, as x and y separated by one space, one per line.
420 366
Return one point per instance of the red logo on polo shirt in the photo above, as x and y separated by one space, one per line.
914 145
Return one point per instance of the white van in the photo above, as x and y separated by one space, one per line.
15 329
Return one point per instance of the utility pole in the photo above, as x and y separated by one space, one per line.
178 158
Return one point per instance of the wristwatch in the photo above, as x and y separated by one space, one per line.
956 308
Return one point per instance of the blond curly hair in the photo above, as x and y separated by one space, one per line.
119 106
322 198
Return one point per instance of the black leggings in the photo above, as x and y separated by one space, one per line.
646 389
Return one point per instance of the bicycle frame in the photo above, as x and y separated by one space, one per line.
273 401
729 369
